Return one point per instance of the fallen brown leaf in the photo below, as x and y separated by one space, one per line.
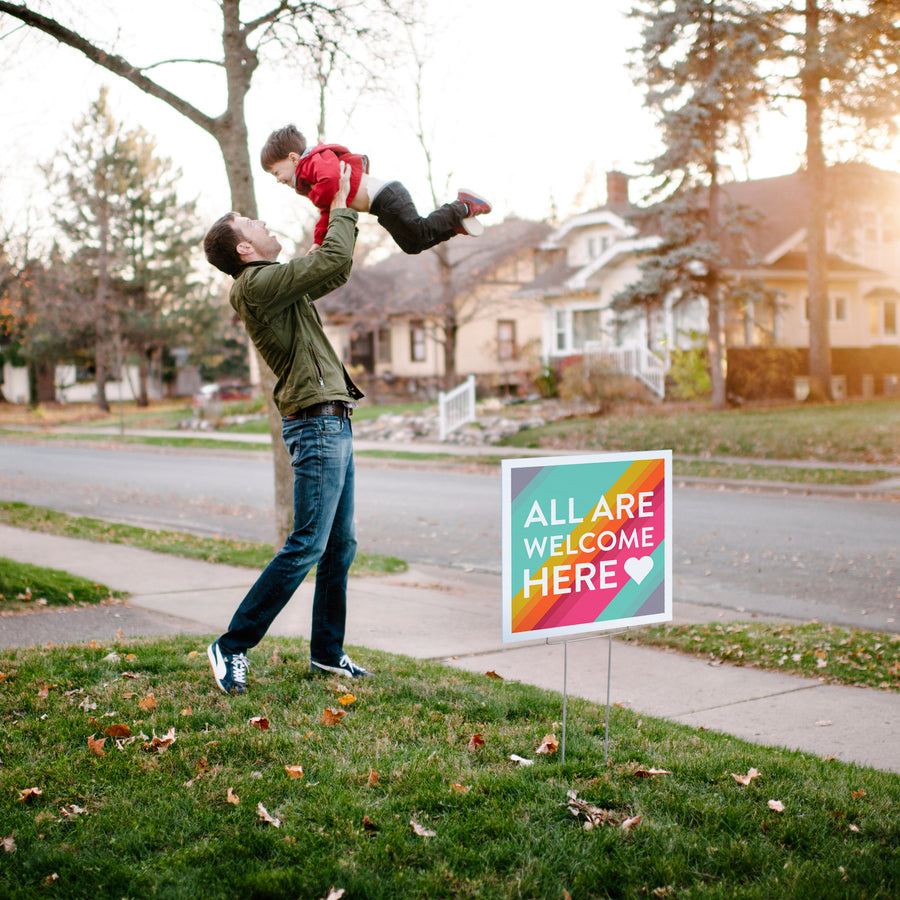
595 817
493 674
232 798
647 773
776 806
332 716
260 722
119 730
347 699
9 844
476 742
294 771
856 795
335 894
263 813
70 811
161 744
369 825
95 745
420 830
149 703
460 788
372 780
746 779
29 794
549 745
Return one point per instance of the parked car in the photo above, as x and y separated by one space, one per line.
217 393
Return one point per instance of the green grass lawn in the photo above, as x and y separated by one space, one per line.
27 587
857 432
833 653
126 773
179 543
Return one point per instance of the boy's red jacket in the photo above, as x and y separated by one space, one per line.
318 174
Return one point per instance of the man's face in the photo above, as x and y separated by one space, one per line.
255 233
284 169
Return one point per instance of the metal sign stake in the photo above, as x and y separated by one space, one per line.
565 644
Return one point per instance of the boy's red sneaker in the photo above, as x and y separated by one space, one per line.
476 204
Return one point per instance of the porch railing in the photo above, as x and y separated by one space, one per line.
634 360
456 407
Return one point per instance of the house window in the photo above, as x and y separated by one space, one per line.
575 327
561 330
417 341
585 327
890 317
506 340
383 347
840 309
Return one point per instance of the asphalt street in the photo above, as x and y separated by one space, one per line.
808 556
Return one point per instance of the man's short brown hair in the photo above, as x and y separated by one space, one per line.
220 245
279 144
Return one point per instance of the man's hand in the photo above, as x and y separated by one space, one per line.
340 197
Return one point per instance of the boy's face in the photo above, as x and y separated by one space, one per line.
284 169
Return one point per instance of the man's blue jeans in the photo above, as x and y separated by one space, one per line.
321 449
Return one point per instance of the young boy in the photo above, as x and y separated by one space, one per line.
314 173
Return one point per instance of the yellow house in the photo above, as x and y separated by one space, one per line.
591 257
419 322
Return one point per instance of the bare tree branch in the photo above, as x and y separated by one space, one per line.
113 63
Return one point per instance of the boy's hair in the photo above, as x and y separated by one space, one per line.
280 143
220 245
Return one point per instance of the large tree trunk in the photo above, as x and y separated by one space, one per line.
817 263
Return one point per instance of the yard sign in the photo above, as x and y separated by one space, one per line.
587 543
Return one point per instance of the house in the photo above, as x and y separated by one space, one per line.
415 322
591 257
582 266
863 243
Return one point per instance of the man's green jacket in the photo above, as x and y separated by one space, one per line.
275 303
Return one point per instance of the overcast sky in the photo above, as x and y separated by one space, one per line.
525 102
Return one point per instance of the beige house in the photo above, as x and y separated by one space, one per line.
409 320
863 243
591 257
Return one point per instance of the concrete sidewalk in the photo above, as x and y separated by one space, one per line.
454 616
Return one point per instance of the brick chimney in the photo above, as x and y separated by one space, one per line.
616 189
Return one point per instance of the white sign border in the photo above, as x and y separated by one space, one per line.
506 468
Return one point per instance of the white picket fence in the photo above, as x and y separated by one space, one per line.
634 360
456 407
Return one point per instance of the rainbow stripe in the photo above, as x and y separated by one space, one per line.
580 574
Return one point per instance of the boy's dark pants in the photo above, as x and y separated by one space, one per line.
398 215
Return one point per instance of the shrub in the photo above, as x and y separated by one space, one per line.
595 382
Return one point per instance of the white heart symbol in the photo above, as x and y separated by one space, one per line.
638 567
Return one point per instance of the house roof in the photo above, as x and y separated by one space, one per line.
404 284
795 261
782 205
773 240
